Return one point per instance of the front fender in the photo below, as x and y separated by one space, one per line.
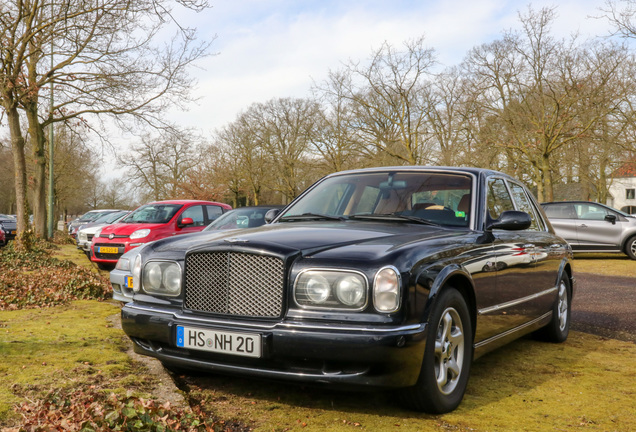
431 281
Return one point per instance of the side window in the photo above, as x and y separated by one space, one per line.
214 212
590 212
499 199
523 204
196 213
560 211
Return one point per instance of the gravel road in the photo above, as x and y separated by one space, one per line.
605 306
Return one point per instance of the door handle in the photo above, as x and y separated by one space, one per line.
582 226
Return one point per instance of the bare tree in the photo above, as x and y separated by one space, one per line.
388 98
111 58
543 94
158 165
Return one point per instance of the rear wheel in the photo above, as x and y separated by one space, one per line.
446 365
559 327
630 247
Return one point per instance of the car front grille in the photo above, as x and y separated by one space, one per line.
233 283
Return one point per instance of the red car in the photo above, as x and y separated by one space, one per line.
3 239
150 222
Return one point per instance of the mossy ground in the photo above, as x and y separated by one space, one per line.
58 347
605 264
588 383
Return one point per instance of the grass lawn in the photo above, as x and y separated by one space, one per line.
586 383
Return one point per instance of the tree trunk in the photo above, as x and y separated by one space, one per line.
19 162
38 141
547 179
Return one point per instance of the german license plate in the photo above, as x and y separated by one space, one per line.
241 344
107 250
128 283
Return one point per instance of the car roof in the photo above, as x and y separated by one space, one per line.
185 201
468 170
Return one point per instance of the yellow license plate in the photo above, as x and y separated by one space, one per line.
129 282
108 250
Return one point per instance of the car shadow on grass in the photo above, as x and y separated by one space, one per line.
525 376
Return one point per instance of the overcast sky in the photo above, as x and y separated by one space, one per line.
277 48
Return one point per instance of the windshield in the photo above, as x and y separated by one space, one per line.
239 218
153 213
437 197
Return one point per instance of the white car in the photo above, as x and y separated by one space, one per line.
86 232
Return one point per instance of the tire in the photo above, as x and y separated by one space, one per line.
445 368
104 266
630 247
559 327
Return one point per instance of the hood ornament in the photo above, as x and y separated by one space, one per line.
236 240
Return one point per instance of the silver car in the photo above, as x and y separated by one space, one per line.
593 227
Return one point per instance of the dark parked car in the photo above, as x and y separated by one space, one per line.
593 227
393 277
9 226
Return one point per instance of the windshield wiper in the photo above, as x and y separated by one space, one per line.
394 217
311 216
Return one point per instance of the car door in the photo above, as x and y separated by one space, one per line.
597 227
546 254
564 220
514 265
194 212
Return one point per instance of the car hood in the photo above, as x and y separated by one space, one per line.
129 228
311 238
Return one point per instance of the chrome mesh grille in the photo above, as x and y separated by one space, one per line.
234 283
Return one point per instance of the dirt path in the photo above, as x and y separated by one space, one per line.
605 306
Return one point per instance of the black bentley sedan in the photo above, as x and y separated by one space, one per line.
392 277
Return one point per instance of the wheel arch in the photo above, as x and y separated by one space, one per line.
628 238
456 277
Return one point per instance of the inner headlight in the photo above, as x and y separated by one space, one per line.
338 289
386 290
162 278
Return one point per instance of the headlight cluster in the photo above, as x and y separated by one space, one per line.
161 278
346 289
141 233
331 289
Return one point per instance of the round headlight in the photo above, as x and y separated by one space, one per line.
386 290
317 289
152 275
172 279
350 291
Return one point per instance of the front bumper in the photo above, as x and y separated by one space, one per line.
334 353
121 283
122 246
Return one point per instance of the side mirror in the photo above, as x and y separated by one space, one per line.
185 222
271 214
511 220
611 218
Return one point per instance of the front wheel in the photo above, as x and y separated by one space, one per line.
630 247
446 365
